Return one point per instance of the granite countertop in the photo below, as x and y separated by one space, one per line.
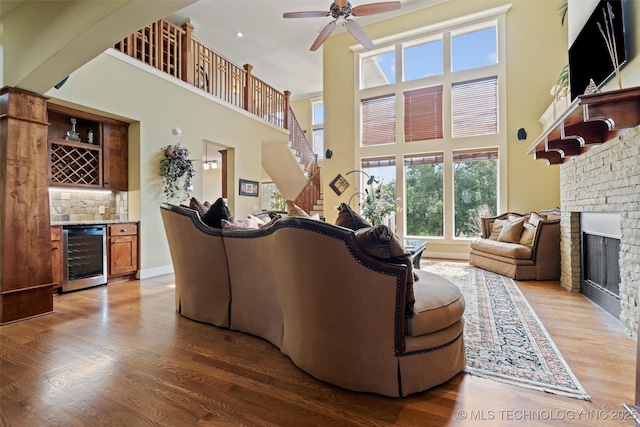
96 222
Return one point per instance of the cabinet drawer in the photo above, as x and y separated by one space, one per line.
56 233
124 229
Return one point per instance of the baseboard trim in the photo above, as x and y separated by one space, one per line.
154 272
445 255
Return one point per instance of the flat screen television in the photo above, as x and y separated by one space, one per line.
589 56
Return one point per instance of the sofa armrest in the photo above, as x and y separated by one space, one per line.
546 249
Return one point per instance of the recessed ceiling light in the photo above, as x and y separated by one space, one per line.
239 34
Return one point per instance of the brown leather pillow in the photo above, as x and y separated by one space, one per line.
216 213
350 219
382 243
197 206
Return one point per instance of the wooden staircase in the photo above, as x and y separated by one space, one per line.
175 51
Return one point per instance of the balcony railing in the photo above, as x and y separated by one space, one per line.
173 50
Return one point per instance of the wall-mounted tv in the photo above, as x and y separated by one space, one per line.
589 57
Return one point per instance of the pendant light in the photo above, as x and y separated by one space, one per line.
205 164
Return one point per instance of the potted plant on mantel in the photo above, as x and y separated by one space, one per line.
560 90
175 166
561 98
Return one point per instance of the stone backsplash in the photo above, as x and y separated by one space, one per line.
74 205
605 179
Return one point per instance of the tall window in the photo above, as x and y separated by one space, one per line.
424 176
382 191
433 102
317 123
475 180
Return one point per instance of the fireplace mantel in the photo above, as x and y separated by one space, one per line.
590 120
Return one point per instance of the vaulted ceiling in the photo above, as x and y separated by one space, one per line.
277 48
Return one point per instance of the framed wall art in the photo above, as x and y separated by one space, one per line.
249 188
339 184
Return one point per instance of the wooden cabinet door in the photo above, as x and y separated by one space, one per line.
123 251
115 157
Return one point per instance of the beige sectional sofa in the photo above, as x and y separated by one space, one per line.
523 247
309 288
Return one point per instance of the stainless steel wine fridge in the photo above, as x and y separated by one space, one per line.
84 256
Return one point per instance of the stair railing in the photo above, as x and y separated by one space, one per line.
300 143
310 193
173 50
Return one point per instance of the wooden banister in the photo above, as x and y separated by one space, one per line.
173 50
299 142
310 193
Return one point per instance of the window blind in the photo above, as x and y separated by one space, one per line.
424 159
378 162
471 155
423 114
378 120
474 107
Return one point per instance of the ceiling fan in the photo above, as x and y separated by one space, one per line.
343 9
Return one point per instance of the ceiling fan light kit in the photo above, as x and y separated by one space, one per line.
342 9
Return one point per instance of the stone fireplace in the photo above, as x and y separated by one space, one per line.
604 179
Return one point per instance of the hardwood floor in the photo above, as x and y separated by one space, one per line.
119 355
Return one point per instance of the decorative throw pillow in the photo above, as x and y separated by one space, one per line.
535 218
216 213
262 216
511 231
197 206
382 243
496 228
271 221
239 224
260 221
349 219
528 233
296 210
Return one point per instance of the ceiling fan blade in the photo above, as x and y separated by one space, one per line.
324 35
358 33
373 8
340 3
312 14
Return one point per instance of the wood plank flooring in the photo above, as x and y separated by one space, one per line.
119 355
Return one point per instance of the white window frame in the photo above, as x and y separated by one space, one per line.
316 126
492 17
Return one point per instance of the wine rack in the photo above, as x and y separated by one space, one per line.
75 163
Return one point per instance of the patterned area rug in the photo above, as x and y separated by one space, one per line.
504 338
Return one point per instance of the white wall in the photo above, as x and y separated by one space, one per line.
114 84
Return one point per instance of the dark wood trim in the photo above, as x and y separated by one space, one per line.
590 119
84 115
